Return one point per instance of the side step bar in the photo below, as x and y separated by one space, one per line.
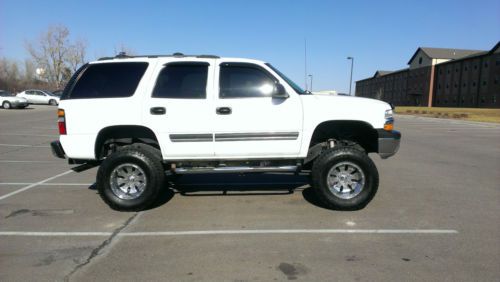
236 169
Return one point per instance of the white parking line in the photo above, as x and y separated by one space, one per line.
235 232
16 161
27 134
43 184
29 146
34 185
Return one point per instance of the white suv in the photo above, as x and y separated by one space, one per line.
144 116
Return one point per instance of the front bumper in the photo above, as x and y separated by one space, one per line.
57 149
388 142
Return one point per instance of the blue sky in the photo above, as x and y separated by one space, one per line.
378 34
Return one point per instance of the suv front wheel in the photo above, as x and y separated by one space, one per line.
345 178
131 178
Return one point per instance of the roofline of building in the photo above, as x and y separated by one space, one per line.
473 56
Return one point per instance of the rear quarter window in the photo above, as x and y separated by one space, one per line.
108 80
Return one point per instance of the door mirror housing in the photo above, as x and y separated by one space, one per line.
280 92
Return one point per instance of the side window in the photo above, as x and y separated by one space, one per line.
29 92
108 80
244 82
182 81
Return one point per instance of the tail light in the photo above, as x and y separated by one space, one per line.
61 122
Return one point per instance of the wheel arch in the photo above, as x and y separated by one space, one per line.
358 131
121 135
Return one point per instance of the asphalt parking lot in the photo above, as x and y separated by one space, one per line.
435 217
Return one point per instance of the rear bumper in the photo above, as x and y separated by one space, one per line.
388 143
57 149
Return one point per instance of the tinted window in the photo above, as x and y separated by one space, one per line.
182 81
244 82
108 80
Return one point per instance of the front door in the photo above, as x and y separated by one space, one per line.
249 123
179 110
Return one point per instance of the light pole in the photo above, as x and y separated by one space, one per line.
311 77
350 81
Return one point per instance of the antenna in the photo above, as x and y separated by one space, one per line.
305 63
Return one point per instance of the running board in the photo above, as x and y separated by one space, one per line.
236 169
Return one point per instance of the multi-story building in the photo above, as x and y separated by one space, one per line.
440 77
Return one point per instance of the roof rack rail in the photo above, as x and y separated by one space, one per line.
123 55
208 56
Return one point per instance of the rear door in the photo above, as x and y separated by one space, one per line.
179 108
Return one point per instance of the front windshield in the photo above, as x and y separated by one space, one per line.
49 93
288 80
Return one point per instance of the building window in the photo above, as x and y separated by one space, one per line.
474 84
465 85
441 71
486 64
439 86
447 86
482 99
456 70
496 80
462 101
420 61
475 67
448 71
446 101
465 69
455 85
484 83
494 99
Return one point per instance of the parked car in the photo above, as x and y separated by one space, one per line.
9 101
142 117
39 97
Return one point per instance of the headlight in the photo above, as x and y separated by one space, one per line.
389 114
389 120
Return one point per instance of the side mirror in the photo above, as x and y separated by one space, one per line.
280 92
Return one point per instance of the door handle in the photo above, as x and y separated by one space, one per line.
223 111
157 111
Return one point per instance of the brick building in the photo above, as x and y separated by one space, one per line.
440 77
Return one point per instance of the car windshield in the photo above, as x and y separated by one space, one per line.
49 93
290 82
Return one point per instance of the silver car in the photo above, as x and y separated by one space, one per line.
9 101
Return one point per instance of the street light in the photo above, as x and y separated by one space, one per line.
350 81
311 77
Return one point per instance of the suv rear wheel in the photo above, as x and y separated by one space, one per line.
131 178
345 178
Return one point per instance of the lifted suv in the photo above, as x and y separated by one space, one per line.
143 117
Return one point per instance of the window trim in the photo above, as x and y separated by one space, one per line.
245 65
183 63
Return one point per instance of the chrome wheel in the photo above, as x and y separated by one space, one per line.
345 180
128 181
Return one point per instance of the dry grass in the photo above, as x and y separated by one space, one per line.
471 114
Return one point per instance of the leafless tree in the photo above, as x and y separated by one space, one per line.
76 55
56 55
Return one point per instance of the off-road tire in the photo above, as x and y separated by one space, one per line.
329 159
143 156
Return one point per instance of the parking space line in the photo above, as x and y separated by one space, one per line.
236 232
29 146
16 161
34 185
27 134
44 184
